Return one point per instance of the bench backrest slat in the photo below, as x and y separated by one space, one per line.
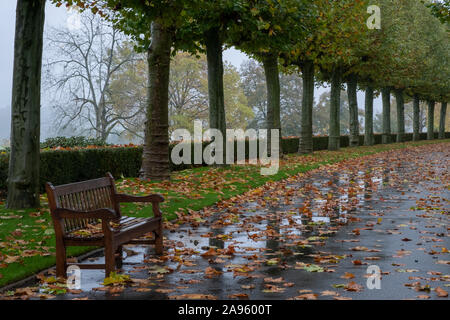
82 186
83 196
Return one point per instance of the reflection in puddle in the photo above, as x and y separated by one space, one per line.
320 219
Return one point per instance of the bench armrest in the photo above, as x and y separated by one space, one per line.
104 214
155 198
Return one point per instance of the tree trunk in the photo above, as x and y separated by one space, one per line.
306 130
368 127
155 162
215 84
421 124
270 63
416 118
23 178
430 122
386 96
334 135
400 115
353 108
442 120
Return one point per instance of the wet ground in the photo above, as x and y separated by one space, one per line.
312 236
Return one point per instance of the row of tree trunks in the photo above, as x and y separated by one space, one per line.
430 119
306 130
386 97
270 63
23 176
155 162
334 136
368 128
352 85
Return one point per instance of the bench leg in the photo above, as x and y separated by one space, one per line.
159 247
119 257
61 260
109 259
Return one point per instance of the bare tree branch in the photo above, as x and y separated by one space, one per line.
80 67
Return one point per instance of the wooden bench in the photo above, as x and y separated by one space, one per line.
95 205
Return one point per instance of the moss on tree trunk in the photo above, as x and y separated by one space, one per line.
155 163
270 63
416 118
368 112
214 58
353 108
335 106
442 120
430 120
306 130
23 177
386 97
400 115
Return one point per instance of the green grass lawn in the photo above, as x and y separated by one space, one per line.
27 237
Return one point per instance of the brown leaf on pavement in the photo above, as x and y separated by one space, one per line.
210 252
248 287
274 280
348 275
353 286
441 292
193 296
329 293
307 296
240 296
164 290
342 298
212 272
142 289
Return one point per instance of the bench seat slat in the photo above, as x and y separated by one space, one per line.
125 224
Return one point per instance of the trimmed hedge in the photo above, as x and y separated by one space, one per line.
67 166
62 167
4 161
71 142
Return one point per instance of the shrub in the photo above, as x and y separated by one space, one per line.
71 142
4 160
290 145
61 166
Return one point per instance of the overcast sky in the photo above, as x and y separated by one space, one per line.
57 17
